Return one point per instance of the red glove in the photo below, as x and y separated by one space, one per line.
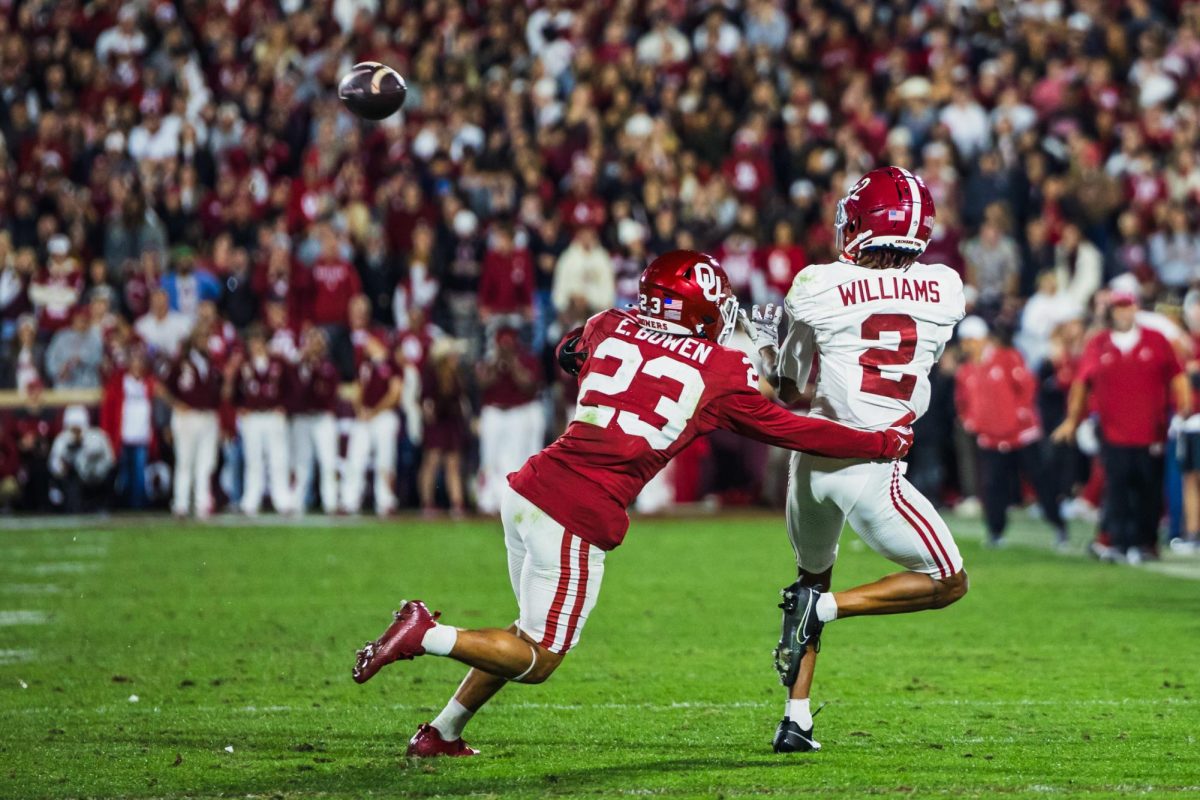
897 441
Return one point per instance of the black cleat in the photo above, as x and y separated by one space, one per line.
791 738
801 630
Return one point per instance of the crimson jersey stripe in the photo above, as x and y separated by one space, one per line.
896 501
560 594
580 595
928 526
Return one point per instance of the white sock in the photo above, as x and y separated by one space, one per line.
797 711
439 640
450 723
826 607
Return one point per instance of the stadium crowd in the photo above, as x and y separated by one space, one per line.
195 231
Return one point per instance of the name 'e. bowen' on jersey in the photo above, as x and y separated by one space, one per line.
889 287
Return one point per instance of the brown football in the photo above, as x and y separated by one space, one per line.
372 90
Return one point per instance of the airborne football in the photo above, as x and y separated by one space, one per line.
564 399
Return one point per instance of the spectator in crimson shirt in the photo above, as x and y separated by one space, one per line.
334 280
506 282
778 264
995 394
1132 375
406 210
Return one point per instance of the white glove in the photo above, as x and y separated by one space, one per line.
763 325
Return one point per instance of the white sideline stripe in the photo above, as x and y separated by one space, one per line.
914 705
8 618
15 656
55 568
55 551
29 588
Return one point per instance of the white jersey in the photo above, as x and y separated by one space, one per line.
878 332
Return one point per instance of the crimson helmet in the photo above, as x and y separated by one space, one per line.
890 208
687 293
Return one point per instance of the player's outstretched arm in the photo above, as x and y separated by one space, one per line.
755 417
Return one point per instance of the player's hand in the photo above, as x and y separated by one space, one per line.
1064 433
762 324
897 441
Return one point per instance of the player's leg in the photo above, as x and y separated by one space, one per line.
559 580
385 428
491 448
478 686
454 481
900 523
183 434
324 437
814 524
301 431
431 462
1031 461
278 463
995 490
254 444
357 452
207 444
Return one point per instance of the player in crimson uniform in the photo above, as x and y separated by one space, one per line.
650 383
375 431
312 400
193 385
258 386
879 321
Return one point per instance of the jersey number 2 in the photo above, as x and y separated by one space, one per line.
896 386
676 412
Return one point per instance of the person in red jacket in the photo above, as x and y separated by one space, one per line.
126 415
995 394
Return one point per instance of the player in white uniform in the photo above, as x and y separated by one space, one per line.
879 321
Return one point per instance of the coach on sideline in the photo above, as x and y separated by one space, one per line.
1132 374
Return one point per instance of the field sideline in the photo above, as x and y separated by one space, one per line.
148 658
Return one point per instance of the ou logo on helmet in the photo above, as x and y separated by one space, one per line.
706 278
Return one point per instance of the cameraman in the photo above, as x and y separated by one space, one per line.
81 460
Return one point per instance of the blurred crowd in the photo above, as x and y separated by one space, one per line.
180 186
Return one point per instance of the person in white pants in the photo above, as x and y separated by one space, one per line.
313 397
194 385
375 431
512 423
259 386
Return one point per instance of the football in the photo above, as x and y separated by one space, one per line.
372 90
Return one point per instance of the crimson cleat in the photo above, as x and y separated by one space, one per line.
427 742
401 641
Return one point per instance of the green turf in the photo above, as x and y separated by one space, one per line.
1055 675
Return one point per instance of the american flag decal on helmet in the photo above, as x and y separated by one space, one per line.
895 215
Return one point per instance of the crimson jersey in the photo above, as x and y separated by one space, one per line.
261 384
313 388
643 397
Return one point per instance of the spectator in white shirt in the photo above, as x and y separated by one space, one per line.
663 44
162 329
584 275
1079 266
124 39
967 123
1175 252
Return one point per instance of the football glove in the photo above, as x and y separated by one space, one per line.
762 324
570 357
897 442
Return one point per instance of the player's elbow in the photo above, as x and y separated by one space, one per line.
951 590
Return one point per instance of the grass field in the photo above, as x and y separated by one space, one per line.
158 659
